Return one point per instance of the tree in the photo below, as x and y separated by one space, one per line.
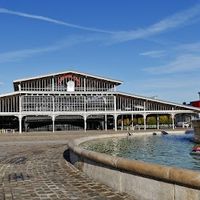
151 120
140 121
164 119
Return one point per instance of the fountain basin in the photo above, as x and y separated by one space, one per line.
137 178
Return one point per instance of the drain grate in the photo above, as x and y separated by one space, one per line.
18 160
18 177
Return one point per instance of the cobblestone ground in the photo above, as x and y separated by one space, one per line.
36 171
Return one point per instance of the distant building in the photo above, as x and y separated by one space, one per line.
78 101
195 103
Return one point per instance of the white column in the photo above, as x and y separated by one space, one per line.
53 83
85 109
20 123
19 87
53 107
145 123
20 104
122 123
115 109
85 123
144 116
173 124
115 119
105 122
158 122
53 103
85 104
84 83
53 123
106 127
20 114
132 121
115 103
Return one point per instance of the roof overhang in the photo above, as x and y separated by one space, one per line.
117 82
9 94
159 101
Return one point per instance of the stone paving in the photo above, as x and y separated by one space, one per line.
37 170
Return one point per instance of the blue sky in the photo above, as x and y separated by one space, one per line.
153 46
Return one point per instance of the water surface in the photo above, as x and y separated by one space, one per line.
171 150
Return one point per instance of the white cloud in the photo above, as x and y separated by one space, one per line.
181 64
186 59
178 51
176 88
177 20
17 55
189 47
153 54
170 83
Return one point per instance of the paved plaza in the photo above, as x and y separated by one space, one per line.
33 167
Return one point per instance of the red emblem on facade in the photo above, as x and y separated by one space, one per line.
71 77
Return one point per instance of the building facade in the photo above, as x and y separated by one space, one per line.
78 101
195 103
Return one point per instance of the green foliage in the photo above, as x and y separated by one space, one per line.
151 120
134 121
127 122
165 119
140 121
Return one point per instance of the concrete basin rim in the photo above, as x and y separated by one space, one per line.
179 176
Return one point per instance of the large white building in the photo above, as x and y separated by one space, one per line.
73 101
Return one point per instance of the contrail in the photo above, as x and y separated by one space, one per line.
179 19
47 19
182 18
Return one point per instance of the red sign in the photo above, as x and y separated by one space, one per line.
69 77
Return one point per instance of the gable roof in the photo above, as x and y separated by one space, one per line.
117 82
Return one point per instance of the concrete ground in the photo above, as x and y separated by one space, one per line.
33 167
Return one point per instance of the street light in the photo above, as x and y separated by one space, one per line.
199 95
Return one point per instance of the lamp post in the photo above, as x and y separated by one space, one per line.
199 95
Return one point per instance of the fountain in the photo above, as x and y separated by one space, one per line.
141 179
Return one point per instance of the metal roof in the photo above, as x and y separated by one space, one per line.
159 101
9 94
65 72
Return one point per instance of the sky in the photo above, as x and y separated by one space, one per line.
153 46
